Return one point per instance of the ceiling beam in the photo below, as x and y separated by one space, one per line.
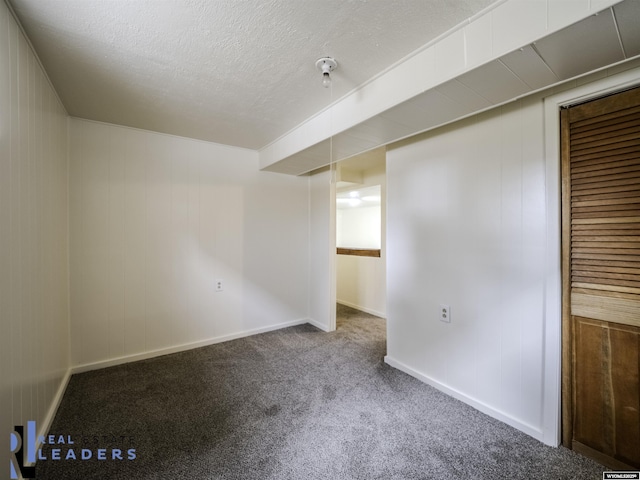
510 50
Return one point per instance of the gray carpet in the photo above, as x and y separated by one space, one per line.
292 404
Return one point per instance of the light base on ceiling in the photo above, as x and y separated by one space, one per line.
326 65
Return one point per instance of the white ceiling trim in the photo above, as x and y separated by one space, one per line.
481 41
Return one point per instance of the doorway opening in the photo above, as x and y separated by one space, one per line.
360 278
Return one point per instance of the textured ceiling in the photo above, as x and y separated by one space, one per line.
237 72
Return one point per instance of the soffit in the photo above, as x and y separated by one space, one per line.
597 41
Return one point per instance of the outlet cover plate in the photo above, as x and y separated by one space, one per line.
445 313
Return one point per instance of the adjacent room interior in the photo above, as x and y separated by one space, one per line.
361 233
183 205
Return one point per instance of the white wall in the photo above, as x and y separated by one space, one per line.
321 248
34 310
155 221
361 282
466 227
473 222
359 227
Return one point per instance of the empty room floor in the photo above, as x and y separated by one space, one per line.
290 404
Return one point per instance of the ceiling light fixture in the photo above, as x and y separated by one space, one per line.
326 65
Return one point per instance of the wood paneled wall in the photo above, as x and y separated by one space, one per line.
466 227
156 220
34 328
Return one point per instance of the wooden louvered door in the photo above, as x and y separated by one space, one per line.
601 278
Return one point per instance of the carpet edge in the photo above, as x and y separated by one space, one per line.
524 427
182 347
361 308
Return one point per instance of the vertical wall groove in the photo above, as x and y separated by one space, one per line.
34 294
155 220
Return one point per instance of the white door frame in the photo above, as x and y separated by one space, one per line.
333 280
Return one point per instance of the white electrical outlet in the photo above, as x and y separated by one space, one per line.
219 286
445 313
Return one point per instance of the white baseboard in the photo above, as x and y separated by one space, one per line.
45 426
363 309
183 347
318 325
535 432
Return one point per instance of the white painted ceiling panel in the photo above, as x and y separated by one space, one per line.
582 47
494 82
379 130
366 161
627 16
426 110
600 5
307 160
346 145
403 114
478 41
529 67
463 95
449 55
559 11
517 23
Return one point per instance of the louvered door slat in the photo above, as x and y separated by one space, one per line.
594 232
607 138
599 191
617 152
605 179
604 174
584 197
614 125
587 269
629 161
629 166
627 263
630 181
583 119
630 143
